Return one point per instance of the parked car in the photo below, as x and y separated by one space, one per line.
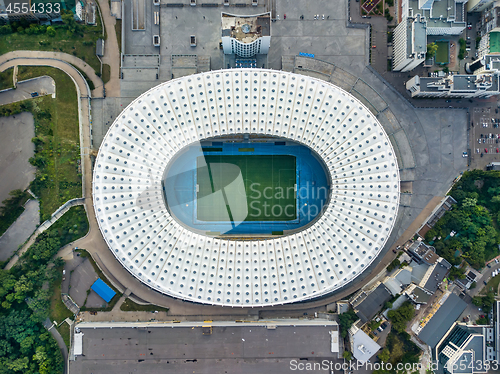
486 150
34 94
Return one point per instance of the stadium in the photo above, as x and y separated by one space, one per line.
246 188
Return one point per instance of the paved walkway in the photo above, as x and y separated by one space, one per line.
111 51
41 58
60 342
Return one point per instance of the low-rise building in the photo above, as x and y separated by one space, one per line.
363 347
423 253
443 316
246 36
367 304
445 205
454 86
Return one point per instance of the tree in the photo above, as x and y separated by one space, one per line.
385 355
401 316
347 355
431 49
346 320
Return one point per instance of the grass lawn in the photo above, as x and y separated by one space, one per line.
491 286
81 45
6 79
106 73
64 331
118 29
442 53
58 311
57 152
129 306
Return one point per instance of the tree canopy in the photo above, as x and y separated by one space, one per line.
473 219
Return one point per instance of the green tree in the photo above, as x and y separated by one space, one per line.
347 355
346 320
401 316
431 49
385 355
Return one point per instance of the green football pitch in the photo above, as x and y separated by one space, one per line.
246 188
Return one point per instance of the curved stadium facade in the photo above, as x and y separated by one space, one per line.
188 230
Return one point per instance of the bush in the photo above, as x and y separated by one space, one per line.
5 30
51 31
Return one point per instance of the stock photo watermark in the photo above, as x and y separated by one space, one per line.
352 366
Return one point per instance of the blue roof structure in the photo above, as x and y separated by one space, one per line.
103 290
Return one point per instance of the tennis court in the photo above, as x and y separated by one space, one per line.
443 52
263 186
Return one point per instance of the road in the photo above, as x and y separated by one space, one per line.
55 59
486 276
42 85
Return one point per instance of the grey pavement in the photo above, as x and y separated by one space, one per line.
20 230
81 278
43 85
60 342
16 148
95 301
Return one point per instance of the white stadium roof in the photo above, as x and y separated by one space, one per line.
172 259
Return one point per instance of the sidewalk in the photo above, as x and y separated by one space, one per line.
111 51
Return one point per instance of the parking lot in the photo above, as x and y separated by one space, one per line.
485 136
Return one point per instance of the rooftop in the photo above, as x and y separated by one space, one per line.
441 322
181 348
372 304
246 29
363 347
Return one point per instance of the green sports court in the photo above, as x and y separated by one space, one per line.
262 185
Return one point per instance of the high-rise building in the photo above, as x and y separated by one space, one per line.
410 43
